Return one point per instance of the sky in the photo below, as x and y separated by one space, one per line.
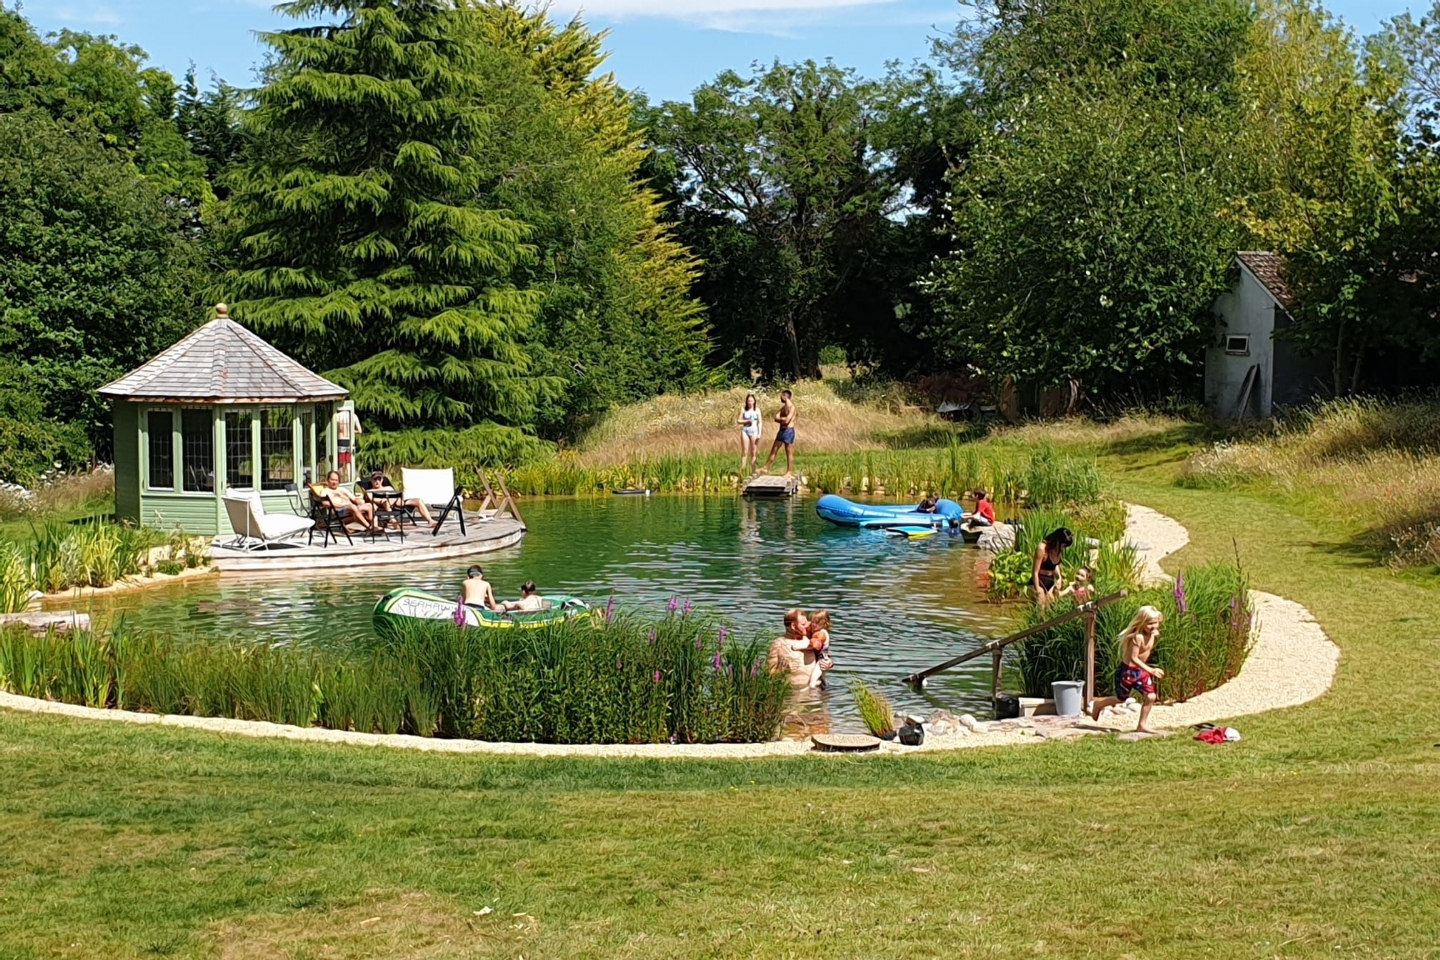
665 48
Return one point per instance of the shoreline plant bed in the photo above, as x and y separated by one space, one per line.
1044 478
1207 633
91 553
1116 565
618 679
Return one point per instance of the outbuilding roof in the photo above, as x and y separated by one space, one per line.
222 362
1269 269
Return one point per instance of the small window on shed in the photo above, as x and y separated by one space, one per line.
1238 344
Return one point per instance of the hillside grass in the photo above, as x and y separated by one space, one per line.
1318 835
835 416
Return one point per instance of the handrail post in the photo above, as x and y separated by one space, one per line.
995 682
1089 659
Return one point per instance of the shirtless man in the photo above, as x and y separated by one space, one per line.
786 435
477 590
793 655
347 504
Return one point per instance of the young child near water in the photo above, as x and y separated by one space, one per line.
1134 672
1083 589
819 634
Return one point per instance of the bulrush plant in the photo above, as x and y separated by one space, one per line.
616 678
1206 635
875 710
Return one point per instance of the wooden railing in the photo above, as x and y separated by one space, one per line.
996 648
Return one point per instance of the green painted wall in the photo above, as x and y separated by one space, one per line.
164 511
127 462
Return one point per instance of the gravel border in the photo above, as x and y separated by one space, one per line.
1292 662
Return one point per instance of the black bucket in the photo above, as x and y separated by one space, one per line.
1007 706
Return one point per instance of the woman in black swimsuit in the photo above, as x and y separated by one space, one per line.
1047 578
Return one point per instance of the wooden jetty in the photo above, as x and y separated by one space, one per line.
767 485
483 534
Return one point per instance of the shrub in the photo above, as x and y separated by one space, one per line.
1117 566
1206 635
1052 479
875 710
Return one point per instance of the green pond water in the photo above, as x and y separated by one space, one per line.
897 605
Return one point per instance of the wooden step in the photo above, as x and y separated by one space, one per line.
767 485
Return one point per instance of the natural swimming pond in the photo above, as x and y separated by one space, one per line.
898 605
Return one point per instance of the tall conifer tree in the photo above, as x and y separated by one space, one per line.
363 241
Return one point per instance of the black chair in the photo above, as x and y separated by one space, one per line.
328 520
297 502
456 505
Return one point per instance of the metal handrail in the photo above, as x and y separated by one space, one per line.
1087 609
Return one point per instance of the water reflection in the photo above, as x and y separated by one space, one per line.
897 604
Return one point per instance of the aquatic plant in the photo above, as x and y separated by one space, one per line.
1052 479
875 710
1204 640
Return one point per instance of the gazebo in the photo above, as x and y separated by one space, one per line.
222 409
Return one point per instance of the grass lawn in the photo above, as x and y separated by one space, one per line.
1318 835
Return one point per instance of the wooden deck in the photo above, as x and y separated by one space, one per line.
482 535
766 485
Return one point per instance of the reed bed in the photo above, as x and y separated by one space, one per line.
1207 633
682 678
58 556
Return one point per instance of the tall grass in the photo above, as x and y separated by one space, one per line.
679 679
1373 464
1116 564
58 556
1205 638
875 709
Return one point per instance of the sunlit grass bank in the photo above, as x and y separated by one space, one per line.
1372 466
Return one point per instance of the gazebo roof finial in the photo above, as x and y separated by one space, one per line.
222 312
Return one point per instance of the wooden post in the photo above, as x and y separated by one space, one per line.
507 500
488 500
1089 659
995 681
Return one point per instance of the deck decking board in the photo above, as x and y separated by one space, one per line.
482 536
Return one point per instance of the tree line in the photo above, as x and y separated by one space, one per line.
451 209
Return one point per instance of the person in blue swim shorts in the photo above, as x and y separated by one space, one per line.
786 437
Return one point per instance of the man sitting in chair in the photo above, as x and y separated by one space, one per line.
377 482
346 503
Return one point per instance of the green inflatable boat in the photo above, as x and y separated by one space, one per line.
405 603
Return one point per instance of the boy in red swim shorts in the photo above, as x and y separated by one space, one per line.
1134 673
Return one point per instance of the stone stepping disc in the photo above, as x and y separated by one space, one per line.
844 742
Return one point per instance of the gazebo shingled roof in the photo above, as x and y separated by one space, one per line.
222 362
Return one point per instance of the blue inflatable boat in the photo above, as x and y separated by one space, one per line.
848 513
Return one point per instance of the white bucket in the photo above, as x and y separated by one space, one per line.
1069 696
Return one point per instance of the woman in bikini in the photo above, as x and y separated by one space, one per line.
749 435
1046 578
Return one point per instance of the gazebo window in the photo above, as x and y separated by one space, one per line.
239 449
307 443
197 440
277 447
160 433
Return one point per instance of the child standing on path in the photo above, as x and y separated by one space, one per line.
1134 673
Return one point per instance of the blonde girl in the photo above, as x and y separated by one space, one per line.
819 634
1134 672
749 421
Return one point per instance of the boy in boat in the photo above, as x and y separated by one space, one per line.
529 600
477 590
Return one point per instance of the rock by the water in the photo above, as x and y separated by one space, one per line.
997 538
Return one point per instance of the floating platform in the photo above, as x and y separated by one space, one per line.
482 535
768 485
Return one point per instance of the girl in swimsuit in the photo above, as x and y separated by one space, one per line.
1047 578
749 434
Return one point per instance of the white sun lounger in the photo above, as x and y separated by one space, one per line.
256 529
436 489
